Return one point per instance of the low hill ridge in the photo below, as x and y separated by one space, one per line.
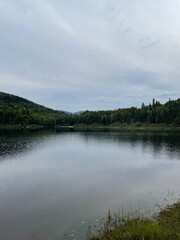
20 111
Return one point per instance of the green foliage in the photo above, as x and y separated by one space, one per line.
170 218
137 229
165 226
154 113
19 111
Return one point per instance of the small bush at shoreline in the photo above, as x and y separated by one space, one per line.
164 226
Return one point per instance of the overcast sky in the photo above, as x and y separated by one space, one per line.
90 54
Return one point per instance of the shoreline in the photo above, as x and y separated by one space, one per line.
129 128
114 128
163 225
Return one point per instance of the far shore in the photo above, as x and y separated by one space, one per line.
141 127
128 127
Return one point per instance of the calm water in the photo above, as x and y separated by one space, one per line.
52 183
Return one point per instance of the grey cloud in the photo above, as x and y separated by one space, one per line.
127 30
169 94
151 44
81 50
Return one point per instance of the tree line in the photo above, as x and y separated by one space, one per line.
16 110
154 113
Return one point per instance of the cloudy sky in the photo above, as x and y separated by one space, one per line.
90 54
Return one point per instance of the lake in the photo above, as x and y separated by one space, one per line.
54 184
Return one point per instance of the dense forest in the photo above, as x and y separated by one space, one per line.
19 111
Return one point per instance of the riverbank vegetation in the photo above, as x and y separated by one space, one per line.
163 226
20 112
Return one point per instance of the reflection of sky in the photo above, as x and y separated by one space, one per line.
67 178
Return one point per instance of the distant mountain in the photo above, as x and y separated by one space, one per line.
78 113
73 113
69 113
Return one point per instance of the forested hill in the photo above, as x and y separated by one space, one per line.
154 113
19 111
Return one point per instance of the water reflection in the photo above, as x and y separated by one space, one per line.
155 142
14 142
19 141
51 181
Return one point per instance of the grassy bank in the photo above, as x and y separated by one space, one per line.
163 226
95 127
128 127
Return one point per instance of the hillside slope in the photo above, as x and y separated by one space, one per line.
17 110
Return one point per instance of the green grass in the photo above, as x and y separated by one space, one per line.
127 127
115 127
163 226
170 218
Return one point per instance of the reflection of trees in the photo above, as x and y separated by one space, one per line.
13 142
155 142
